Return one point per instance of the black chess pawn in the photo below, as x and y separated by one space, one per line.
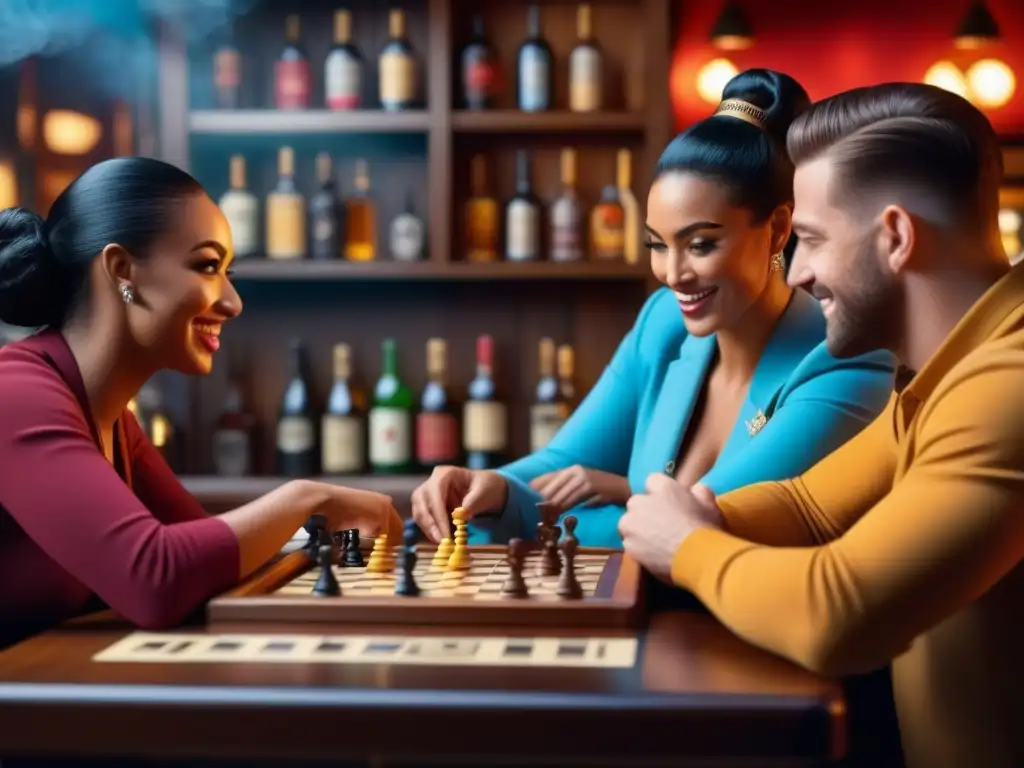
406 585
410 533
327 583
568 585
352 556
514 585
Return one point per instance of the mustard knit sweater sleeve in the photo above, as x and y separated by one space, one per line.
900 528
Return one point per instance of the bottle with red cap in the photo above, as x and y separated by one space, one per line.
485 416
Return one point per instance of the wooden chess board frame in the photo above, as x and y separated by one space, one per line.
617 602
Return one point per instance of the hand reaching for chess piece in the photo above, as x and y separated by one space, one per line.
569 487
477 491
366 511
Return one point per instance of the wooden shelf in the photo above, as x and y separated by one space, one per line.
273 121
514 121
264 269
212 489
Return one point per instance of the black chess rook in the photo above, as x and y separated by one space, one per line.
352 556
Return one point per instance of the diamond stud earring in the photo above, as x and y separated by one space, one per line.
127 293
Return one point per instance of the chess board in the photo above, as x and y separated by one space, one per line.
611 584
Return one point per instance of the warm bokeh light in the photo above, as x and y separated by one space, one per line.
8 185
712 79
71 133
947 75
1010 223
991 83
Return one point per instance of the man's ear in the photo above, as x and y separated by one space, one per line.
897 237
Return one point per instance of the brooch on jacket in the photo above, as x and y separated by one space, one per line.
757 423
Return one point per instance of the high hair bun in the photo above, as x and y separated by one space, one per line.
781 97
28 274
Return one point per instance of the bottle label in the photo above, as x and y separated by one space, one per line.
343 444
286 226
343 76
295 434
584 79
533 80
241 209
323 229
485 426
608 231
437 438
545 421
227 68
523 231
390 430
478 79
565 230
406 237
232 452
291 84
397 73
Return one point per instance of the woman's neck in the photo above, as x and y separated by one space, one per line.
740 347
111 373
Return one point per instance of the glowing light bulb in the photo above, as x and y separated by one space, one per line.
713 77
946 75
991 82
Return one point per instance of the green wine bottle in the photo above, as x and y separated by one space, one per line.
391 417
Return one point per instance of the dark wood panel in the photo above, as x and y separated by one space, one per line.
694 689
277 271
513 121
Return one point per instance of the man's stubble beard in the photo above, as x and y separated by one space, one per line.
867 309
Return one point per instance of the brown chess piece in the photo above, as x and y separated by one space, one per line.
515 586
568 586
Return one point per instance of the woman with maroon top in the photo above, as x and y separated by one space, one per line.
127 275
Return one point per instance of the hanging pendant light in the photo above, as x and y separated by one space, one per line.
732 32
978 28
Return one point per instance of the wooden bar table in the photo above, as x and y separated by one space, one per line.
695 696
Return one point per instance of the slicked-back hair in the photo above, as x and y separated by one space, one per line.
928 145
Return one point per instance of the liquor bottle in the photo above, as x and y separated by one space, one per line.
567 215
159 424
522 216
326 217
630 207
566 378
585 65
343 67
481 225
534 64
291 71
241 208
437 430
296 424
343 424
485 417
361 218
397 66
607 225
286 212
479 69
227 76
391 417
548 412
233 433
407 233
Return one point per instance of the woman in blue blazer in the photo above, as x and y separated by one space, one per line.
724 379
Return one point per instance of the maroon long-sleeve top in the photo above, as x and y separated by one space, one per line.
78 533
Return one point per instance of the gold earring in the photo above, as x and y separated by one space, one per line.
778 262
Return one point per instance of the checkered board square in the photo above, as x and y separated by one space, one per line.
481 581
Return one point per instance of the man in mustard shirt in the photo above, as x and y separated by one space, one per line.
907 543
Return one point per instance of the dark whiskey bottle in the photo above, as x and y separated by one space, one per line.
479 69
326 216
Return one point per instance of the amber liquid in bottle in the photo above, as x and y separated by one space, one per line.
481 227
361 216
607 226
630 207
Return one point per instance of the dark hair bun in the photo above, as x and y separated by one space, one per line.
781 97
27 274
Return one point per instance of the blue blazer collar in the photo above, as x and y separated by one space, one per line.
799 330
